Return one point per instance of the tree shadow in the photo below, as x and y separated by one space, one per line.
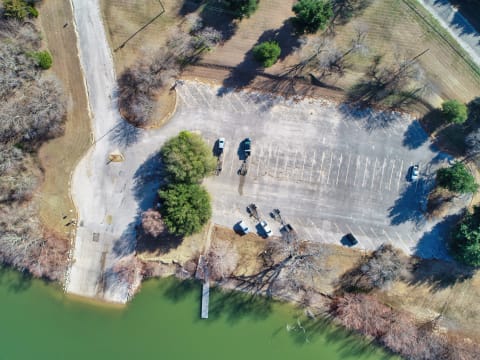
178 290
408 207
439 274
414 136
235 305
124 134
125 244
189 6
245 72
433 243
149 177
216 16
14 280
368 118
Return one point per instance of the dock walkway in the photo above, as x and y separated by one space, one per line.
205 299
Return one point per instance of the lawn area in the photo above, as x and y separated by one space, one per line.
59 157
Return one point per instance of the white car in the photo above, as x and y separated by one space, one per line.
266 228
414 172
243 227
221 144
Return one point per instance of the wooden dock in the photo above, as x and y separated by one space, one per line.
205 299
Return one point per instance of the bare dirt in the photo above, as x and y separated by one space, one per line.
59 157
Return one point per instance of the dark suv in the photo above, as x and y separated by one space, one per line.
352 240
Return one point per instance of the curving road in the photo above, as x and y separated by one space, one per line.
459 27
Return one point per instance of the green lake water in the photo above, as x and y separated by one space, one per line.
38 321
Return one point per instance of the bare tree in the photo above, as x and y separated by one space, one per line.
222 259
295 263
377 271
152 223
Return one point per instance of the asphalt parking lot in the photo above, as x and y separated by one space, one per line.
330 170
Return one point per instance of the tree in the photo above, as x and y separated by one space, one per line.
454 111
377 271
457 178
466 239
222 259
185 208
267 53
152 222
241 8
311 15
345 9
187 158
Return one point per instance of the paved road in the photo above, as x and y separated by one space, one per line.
456 25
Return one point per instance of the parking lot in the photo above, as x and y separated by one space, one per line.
330 170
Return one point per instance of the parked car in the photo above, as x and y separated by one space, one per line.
266 229
247 146
351 239
221 144
243 227
414 171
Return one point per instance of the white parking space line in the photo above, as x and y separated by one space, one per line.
356 170
348 167
391 174
330 168
232 161
276 162
402 243
182 97
365 171
190 98
294 164
239 101
339 167
320 174
383 172
303 166
259 160
400 175
205 100
373 175
313 166
367 237
285 169
388 237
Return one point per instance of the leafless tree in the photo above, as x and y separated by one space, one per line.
320 56
139 84
377 271
152 223
295 263
222 259
344 10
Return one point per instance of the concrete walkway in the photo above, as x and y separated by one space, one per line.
456 25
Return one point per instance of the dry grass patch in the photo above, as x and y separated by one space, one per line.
60 156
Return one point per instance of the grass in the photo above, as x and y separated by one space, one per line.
59 157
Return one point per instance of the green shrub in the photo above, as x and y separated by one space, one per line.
457 178
19 9
241 8
267 53
43 58
185 208
311 15
466 239
187 158
454 111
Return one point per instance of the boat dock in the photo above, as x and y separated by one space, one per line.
205 299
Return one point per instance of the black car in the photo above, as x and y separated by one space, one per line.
352 240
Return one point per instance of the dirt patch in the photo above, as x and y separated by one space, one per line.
60 156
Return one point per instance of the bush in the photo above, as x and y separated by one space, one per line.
19 9
267 53
43 58
185 208
466 239
187 158
457 178
454 111
241 8
311 15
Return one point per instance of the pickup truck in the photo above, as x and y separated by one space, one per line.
266 229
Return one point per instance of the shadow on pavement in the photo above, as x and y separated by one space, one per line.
414 136
433 243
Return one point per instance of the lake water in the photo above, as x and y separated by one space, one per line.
38 321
